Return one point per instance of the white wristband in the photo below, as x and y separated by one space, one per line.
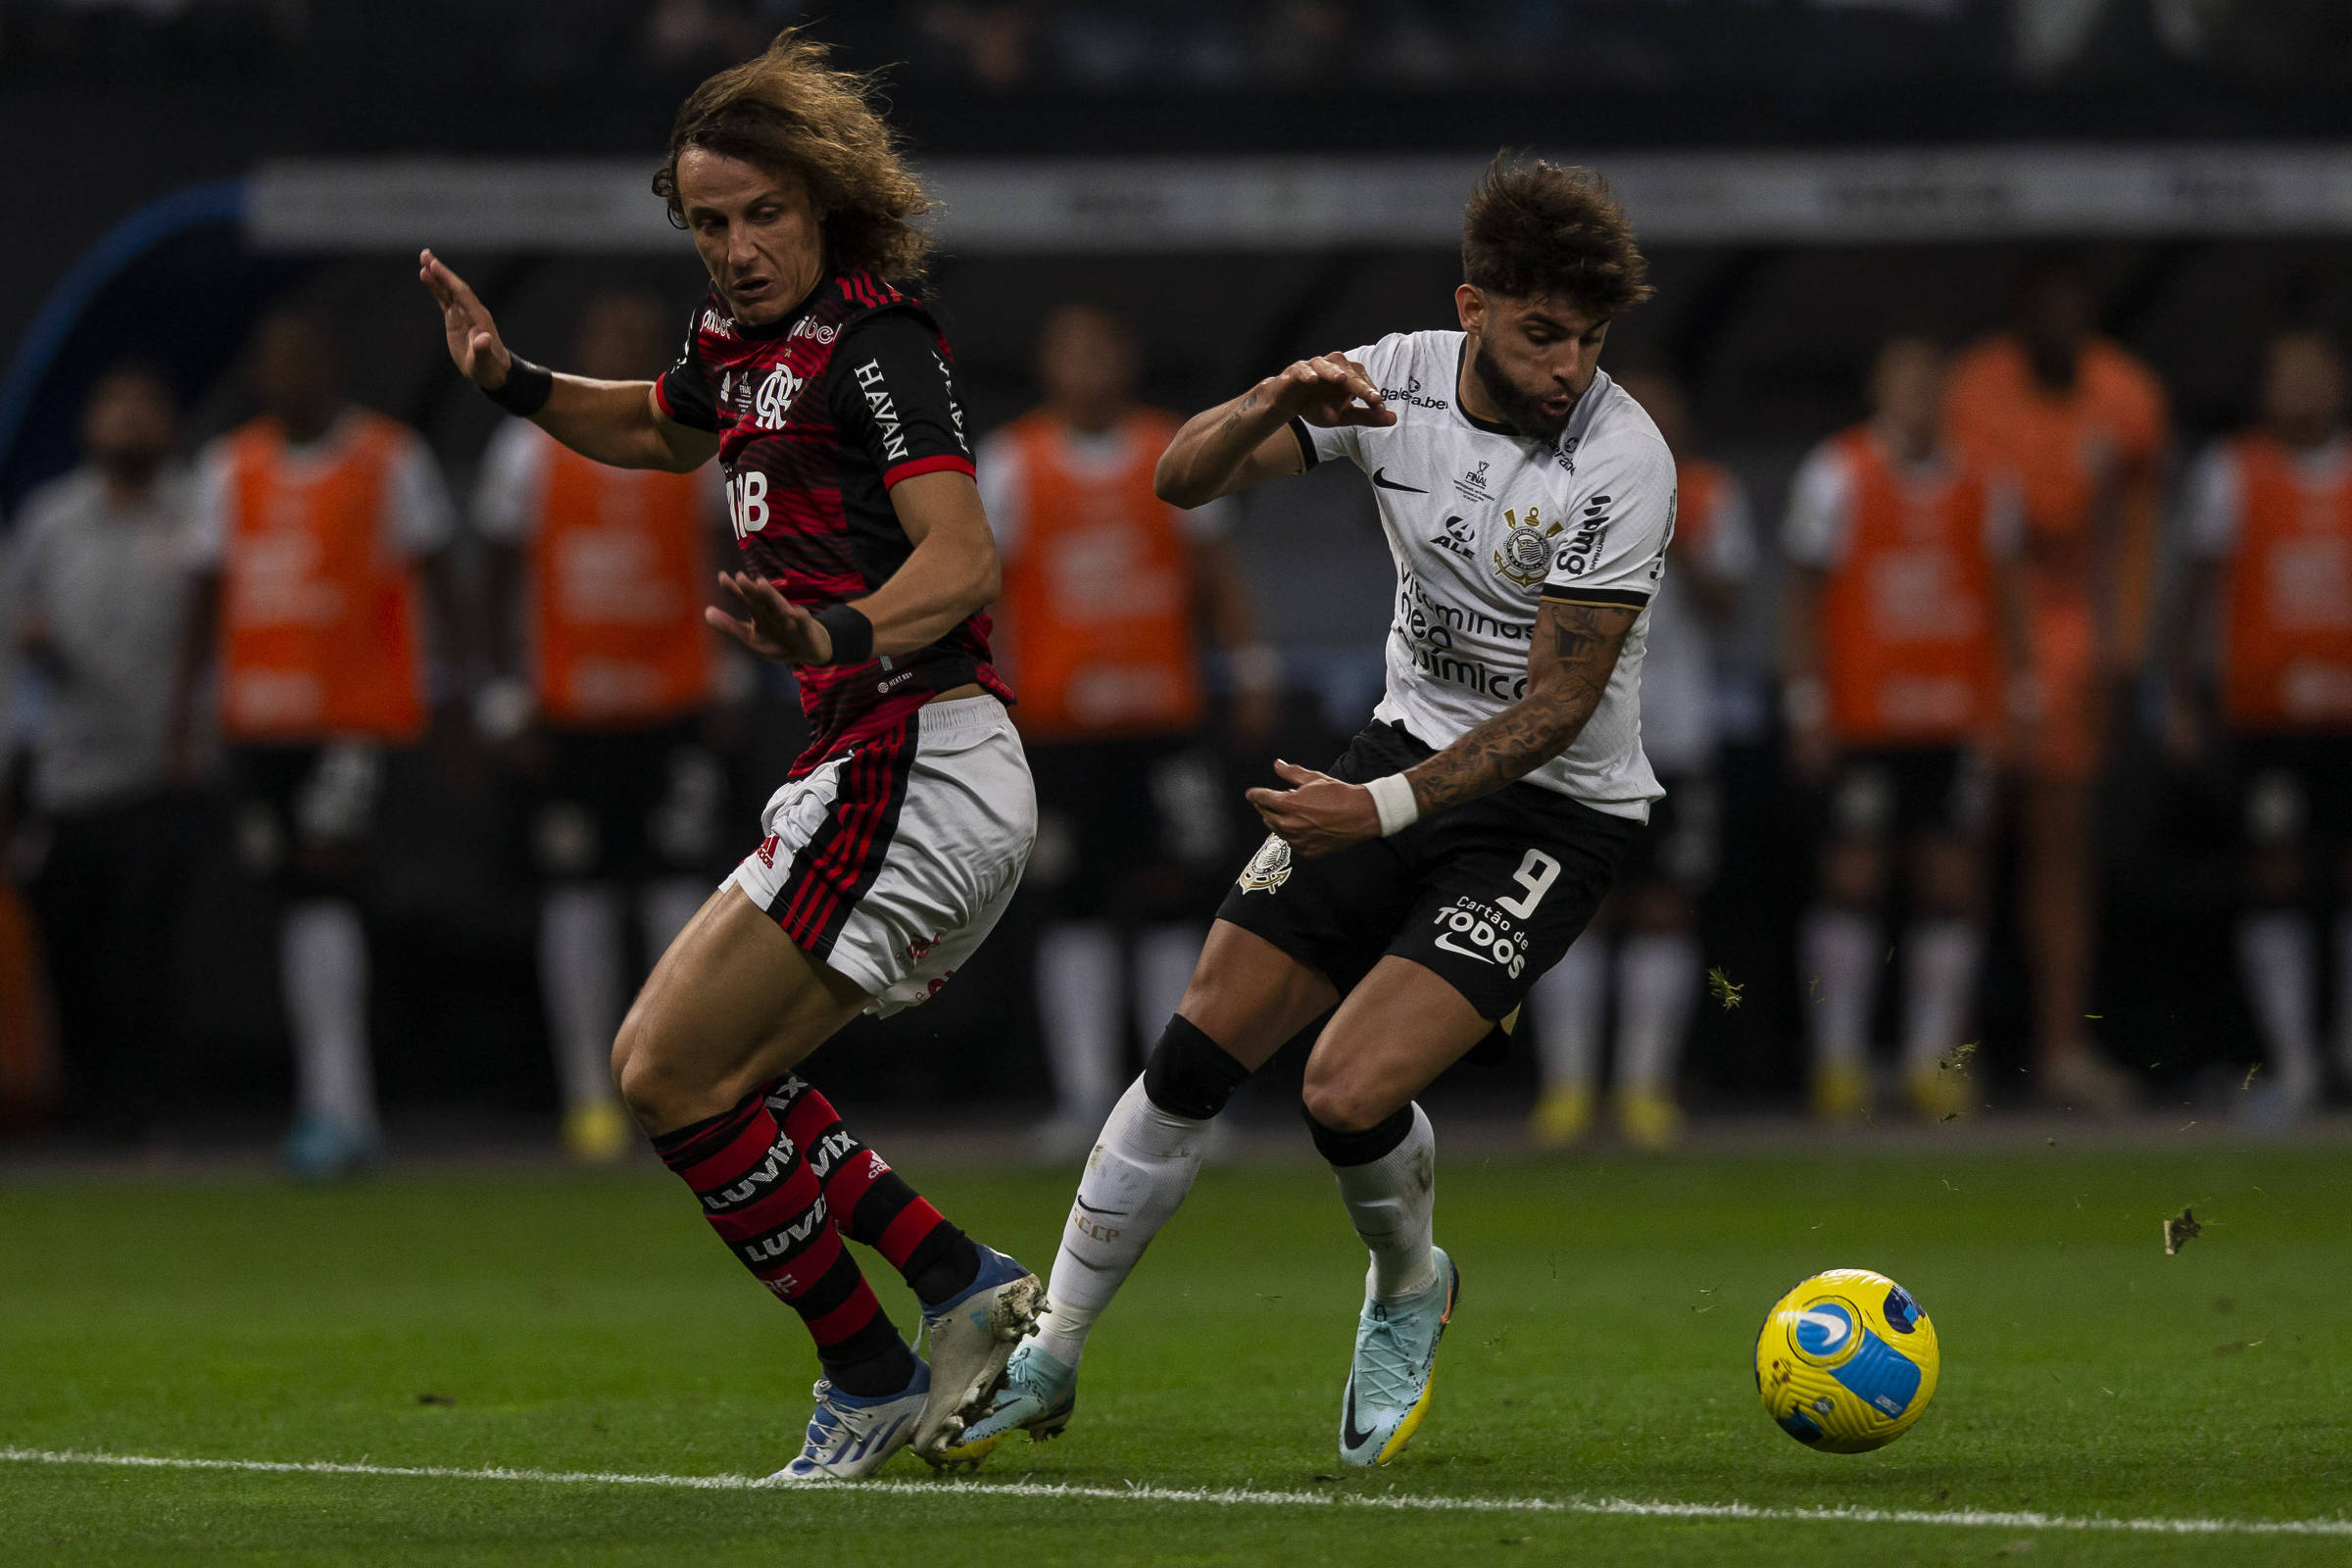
1392 799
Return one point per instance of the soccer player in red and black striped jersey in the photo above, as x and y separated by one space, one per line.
827 394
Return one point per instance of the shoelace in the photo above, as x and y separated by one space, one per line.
826 1424
1391 1366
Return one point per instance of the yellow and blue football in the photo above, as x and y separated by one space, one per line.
1846 1362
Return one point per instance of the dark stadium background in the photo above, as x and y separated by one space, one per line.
107 110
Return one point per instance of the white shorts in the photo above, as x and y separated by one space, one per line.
892 863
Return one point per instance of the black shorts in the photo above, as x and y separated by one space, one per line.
1487 895
1682 843
2295 788
307 812
1902 792
628 804
1135 828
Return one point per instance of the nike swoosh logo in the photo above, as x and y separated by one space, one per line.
1380 477
1349 1435
1106 1213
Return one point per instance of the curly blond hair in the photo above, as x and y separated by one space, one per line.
790 110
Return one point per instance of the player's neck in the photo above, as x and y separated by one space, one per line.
1089 418
310 426
1470 393
1909 447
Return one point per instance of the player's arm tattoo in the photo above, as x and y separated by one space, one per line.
1569 661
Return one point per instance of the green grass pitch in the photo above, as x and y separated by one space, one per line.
580 1324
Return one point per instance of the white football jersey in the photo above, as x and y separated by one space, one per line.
1486 525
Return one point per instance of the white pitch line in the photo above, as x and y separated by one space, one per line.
1614 1507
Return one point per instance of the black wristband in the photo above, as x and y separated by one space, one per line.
853 634
525 390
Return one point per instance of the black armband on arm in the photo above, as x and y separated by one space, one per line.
851 633
526 388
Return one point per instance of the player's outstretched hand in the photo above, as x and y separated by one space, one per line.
1331 389
773 625
1317 814
473 341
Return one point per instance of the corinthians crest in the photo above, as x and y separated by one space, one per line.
1268 869
1525 554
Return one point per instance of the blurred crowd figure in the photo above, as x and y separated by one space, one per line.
1008 46
1113 602
96 603
2078 427
1651 921
1968 579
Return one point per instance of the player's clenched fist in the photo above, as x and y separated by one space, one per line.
1330 389
474 340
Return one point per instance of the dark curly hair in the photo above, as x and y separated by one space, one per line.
790 110
1534 229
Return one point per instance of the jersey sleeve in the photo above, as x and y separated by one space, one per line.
1317 442
424 517
1813 532
513 478
2213 505
1614 549
1003 489
1732 543
683 391
205 540
893 394
1209 521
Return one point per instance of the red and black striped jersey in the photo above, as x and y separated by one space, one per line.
817 416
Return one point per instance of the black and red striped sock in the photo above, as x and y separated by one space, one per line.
874 1204
765 1202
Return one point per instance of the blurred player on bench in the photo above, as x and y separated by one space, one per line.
2081 426
320 531
2269 537
1668 869
607 674
1892 693
1107 593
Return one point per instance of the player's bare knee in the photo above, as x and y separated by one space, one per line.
2275 875
1658 909
1852 872
1946 878
646 1075
1343 1104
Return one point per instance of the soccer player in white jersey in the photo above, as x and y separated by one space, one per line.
1464 839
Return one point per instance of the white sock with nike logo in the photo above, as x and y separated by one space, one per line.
1141 1168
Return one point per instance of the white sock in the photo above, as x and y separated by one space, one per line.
2278 956
322 957
1078 1001
1141 1168
2343 992
1165 958
1840 951
579 985
1657 984
662 909
1939 981
1392 1201
1569 1000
